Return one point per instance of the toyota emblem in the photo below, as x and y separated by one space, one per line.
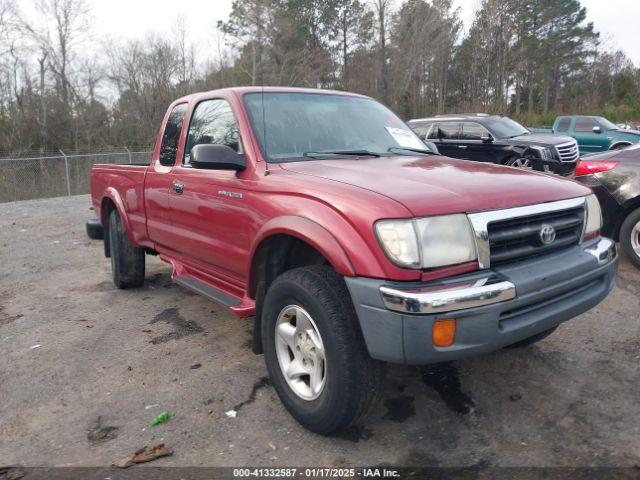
547 234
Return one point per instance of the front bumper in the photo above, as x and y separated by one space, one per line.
564 169
493 308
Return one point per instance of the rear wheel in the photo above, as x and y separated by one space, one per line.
630 237
127 262
533 339
315 352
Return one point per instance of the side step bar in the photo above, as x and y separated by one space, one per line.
212 293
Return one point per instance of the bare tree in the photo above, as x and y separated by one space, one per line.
382 9
62 26
186 53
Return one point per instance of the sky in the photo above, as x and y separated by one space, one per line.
616 20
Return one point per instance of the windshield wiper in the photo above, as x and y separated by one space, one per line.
355 153
415 150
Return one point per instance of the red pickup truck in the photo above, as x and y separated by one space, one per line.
350 241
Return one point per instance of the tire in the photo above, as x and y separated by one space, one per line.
127 262
519 162
94 229
531 340
630 237
352 382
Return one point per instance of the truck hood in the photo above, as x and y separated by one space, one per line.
542 139
436 185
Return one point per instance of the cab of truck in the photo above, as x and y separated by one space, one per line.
594 134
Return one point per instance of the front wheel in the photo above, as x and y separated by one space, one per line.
519 162
630 237
315 352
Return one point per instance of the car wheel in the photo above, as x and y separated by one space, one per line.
127 262
519 162
94 229
314 350
533 339
630 237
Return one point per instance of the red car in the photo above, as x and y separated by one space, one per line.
352 243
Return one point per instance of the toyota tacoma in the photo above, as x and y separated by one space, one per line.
350 241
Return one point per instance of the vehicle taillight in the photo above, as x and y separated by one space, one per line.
589 167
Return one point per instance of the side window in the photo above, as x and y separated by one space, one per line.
584 124
433 134
563 125
473 131
171 135
212 122
449 131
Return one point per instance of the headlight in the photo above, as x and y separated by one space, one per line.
542 152
594 217
428 242
398 238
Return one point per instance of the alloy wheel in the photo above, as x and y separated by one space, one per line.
635 238
521 163
300 352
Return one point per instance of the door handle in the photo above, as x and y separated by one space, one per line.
178 187
463 147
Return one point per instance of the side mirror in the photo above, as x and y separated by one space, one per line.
488 138
597 130
217 157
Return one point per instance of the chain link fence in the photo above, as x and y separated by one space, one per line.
55 175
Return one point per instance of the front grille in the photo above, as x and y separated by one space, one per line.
568 152
516 239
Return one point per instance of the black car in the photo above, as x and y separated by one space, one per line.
497 139
614 177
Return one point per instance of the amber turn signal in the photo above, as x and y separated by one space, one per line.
444 332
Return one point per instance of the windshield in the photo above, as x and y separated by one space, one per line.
304 126
502 127
606 124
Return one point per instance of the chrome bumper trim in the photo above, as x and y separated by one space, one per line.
448 297
604 251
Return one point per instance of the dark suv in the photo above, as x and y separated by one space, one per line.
497 139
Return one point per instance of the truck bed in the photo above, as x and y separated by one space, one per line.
127 179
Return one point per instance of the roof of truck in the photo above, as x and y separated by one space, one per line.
454 117
261 89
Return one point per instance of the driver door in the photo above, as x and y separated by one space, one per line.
209 207
588 140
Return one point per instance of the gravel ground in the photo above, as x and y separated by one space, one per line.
125 356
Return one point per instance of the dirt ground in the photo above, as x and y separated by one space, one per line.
73 349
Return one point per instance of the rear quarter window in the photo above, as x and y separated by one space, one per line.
421 129
171 135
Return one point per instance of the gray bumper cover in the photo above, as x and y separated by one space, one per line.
548 291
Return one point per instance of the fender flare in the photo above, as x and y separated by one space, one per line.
309 232
113 195
626 143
